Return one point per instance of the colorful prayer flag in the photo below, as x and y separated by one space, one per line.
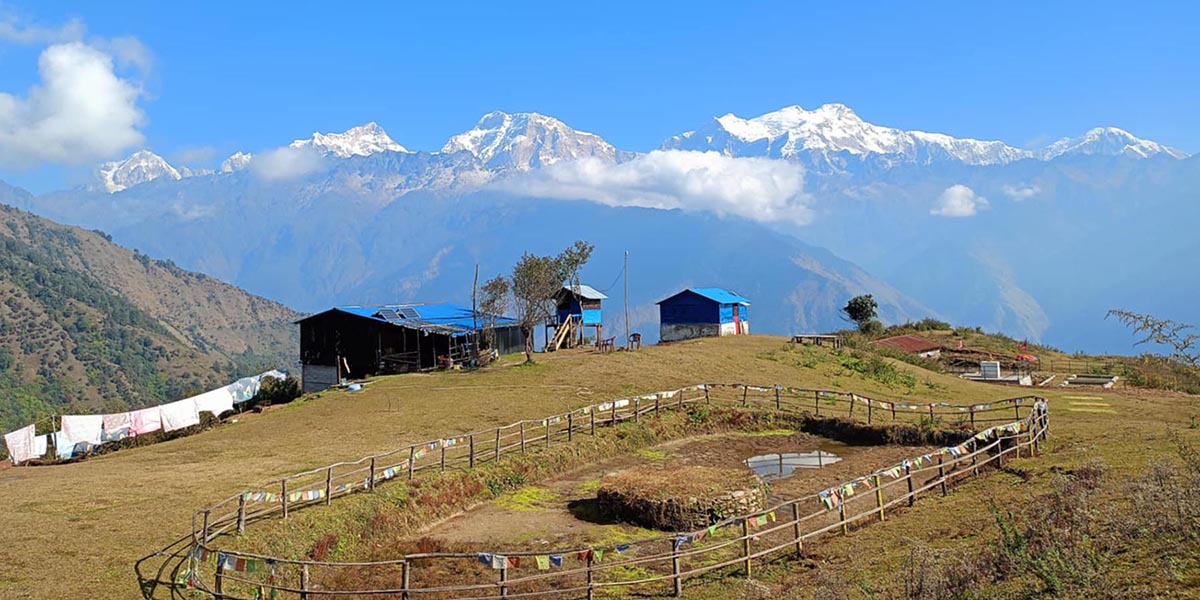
543 562
556 560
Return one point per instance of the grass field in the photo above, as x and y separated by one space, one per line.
74 531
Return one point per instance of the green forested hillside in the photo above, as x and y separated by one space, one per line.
86 325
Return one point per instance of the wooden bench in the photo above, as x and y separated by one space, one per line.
608 345
835 341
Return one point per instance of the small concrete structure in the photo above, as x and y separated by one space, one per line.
703 312
835 341
989 372
1104 381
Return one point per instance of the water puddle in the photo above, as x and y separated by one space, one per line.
782 466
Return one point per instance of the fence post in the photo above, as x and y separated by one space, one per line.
870 410
931 417
371 477
796 530
778 400
675 569
592 412
879 498
908 475
471 447
893 407
975 462
522 437
304 581
746 544
613 422
707 399
1017 410
657 410
504 580
241 521
204 528
972 418
412 462
590 589
745 394
283 496
328 486
547 432
842 516
404 579
817 401
497 444
942 474
637 410
570 426
218 581
853 401
442 443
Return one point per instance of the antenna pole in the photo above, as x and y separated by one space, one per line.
626 269
474 321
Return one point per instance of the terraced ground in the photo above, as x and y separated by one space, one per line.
74 531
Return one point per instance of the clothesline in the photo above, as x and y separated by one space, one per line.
82 434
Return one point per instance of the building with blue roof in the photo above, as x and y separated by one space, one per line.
577 307
352 342
703 312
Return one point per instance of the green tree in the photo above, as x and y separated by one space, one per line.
493 303
861 310
536 280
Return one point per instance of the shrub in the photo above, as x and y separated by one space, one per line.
276 391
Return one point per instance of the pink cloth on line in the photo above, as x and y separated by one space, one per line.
146 420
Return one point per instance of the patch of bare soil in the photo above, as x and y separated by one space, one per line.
563 511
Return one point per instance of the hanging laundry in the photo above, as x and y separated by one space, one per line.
40 446
83 428
63 446
216 401
117 422
146 420
20 444
178 415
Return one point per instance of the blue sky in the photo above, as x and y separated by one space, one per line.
245 76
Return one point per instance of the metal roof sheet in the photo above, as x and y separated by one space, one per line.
585 291
439 317
718 295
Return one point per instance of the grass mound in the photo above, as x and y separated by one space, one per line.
679 499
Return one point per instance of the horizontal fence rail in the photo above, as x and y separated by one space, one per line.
1002 428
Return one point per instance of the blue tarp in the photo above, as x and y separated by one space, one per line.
440 317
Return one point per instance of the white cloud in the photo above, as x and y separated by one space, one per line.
286 163
15 32
756 188
1021 192
81 110
959 201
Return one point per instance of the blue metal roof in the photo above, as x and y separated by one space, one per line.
439 317
718 295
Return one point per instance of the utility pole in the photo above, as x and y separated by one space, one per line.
626 269
475 319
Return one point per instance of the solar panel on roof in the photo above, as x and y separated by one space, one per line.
409 312
389 315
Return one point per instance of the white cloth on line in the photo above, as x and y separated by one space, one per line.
216 401
146 420
118 421
178 415
83 428
39 446
20 444
63 445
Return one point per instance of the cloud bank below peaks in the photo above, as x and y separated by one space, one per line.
754 188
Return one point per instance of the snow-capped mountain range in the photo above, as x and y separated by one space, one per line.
831 138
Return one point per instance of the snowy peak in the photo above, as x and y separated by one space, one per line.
825 135
363 140
140 167
525 141
236 162
1108 141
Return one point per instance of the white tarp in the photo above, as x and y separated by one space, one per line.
20 444
216 402
178 415
83 428
146 420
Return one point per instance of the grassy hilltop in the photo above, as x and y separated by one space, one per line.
74 530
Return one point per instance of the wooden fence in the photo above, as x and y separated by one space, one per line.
1004 428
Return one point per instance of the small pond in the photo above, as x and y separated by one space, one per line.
782 466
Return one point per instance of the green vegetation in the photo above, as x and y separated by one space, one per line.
87 326
862 311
